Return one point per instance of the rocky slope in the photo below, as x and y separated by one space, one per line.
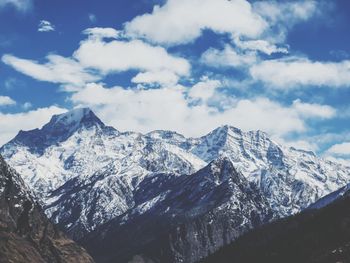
26 235
317 235
193 217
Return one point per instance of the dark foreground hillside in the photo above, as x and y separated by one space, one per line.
315 236
26 235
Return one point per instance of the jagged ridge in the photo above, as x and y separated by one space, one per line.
193 217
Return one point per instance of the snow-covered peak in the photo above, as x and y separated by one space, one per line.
221 133
58 129
252 146
74 119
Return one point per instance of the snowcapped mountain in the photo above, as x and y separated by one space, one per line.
291 179
76 150
87 173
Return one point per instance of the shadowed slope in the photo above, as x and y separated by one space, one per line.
26 235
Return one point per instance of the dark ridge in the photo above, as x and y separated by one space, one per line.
314 236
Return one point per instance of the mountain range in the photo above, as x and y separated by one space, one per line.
161 196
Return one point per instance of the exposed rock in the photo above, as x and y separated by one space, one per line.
26 235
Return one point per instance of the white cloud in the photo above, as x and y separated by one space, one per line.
259 45
296 71
204 90
316 142
339 153
45 26
97 56
102 32
6 101
169 108
283 15
25 121
182 21
227 57
164 78
58 69
244 53
119 55
341 149
312 110
20 5
289 12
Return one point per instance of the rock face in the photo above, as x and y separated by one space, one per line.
26 235
193 217
87 174
317 235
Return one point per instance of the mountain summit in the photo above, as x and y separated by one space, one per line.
59 128
75 118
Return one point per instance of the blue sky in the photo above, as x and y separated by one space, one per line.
184 65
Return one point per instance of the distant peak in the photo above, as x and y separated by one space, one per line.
75 118
58 129
219 135
227 129
221 170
